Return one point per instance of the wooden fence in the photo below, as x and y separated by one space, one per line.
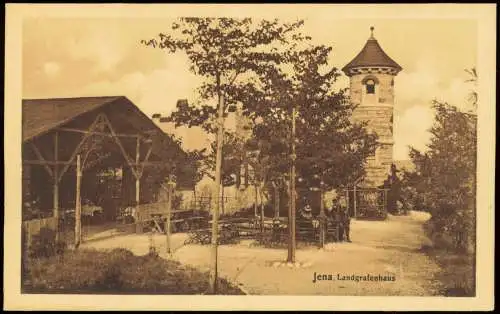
367 203
32 227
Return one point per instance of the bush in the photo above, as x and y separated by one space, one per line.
44 244
116 272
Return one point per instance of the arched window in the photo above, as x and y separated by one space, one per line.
370 86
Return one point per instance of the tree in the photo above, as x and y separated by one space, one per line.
394 193
222 50
330 149
225 52
473 97
445 174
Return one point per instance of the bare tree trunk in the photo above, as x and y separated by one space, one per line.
276 201
255 202
291 211
215 218
222 199
323 223
56 184
261 211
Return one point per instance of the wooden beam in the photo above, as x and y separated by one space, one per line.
117 140
137 177
40 157
99 133
47 162
73 163
78 204
75 152
146 158
152 163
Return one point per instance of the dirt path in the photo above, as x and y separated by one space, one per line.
388 248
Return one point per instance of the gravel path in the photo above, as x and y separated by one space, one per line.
387 248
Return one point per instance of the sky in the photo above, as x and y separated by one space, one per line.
103 56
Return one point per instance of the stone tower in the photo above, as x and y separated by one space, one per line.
371 75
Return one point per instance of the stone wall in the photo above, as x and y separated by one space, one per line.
384 90
384 154
375 176
377 110
379 120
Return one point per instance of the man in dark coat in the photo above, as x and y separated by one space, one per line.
333 219
345 221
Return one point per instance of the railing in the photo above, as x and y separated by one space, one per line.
273 231
367 203
33 227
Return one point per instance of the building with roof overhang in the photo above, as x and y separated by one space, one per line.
111 135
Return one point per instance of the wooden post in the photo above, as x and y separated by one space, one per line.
354 200
78 208
291 210
261 213
169 213
56 183
255 202
222 197
347 198
215 216
385 200
56 176
322 222
137 178
276 201
139 226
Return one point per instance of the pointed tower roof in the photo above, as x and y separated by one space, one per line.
372 55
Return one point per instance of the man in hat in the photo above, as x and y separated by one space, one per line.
306 212
332 218
345 220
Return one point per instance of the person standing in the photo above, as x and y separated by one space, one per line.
347 225
345 221
306 212
332 221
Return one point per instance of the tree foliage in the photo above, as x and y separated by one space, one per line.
267 68
225 52
329 148
445 177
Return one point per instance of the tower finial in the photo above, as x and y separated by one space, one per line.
372 29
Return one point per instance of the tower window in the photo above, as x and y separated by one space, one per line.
370 86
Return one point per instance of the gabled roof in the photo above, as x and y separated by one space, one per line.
372 55
43 115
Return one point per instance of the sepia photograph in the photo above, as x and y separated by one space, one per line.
333 152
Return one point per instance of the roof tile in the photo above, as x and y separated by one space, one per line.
372 55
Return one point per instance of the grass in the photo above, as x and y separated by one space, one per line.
457 274
115 272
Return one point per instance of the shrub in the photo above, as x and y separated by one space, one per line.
118 272
44 244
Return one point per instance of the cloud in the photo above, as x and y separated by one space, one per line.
156 91
51 69
425 84
413 113
192 138
411 129
100 44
